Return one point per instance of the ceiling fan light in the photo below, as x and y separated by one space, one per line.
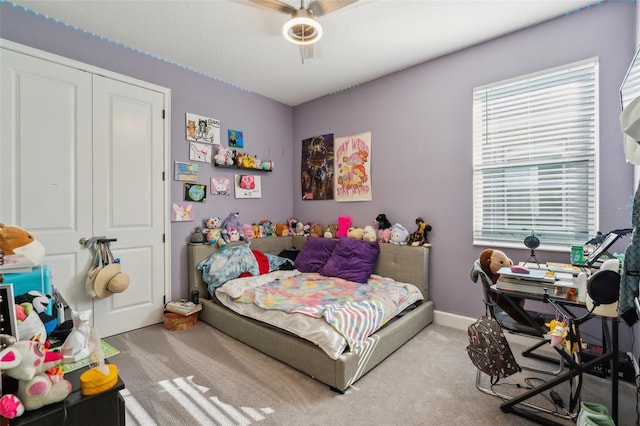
302 29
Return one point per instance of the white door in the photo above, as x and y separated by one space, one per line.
128 202
67 174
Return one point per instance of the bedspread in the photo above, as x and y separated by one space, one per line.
355 310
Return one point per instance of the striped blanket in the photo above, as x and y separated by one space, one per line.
355 310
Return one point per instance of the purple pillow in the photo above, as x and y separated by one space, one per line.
314 254
352 260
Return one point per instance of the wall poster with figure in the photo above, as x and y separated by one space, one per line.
353 161
317 168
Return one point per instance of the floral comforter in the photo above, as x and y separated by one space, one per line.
355 310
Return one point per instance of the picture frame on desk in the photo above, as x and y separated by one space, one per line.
8 322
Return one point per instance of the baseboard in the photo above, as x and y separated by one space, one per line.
460 322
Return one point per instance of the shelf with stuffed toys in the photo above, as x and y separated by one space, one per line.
232 159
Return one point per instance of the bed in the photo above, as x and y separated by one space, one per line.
402 263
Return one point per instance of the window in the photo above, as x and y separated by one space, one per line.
534 157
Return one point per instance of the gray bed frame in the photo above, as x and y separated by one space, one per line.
403 263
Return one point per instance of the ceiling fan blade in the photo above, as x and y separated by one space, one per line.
276 5
322 7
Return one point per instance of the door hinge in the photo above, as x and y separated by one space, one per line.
163 114
163 176
163 238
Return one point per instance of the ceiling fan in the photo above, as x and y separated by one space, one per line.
302 29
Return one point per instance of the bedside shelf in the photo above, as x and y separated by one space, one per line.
240 168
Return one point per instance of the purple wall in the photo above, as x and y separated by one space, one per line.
267 125
421 124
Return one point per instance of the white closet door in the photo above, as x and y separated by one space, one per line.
128 201
45 162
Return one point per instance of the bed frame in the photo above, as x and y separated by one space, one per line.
403 263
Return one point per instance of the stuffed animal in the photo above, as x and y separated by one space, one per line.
490 262
282 230
224 157
15 240
383 222
419 237
258 231
331 231
268 228
233 234
355 233
29 362
344 223
246 232
398 234
306 229
369 234
316 230
231 221
296 227
198 235
39 304
213 231
384 235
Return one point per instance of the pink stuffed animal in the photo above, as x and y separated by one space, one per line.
344 223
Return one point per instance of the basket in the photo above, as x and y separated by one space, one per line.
179 322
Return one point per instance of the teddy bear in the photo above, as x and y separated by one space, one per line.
316 230
369 234
491 261
355 233
16 240
282 230
230 222
213 232
398 234
331 231
30 363
419 237
224 157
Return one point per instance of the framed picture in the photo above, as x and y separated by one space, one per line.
247 186
186 172
8 323
181 212
203 129
235 138
200 152
195 192
220 186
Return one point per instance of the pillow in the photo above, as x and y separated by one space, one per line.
314 254
352 260
227 264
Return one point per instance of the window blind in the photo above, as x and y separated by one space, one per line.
630 87
534 157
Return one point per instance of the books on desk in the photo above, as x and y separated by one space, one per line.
183 307
531 275
535 281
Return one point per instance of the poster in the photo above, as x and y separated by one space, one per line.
220 186
200 152
181 212
247 186
235 138
353 160
195 192
186 171
203 129
317 168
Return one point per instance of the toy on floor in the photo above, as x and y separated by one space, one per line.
39 383
76 345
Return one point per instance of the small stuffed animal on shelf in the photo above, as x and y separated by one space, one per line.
331 231
398 235
344 223
419 237
383 222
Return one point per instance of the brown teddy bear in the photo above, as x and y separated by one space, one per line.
331 231
490 262
282 230
316 230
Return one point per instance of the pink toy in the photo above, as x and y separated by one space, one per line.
344 223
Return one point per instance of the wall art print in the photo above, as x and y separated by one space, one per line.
203 129
353 159
235 138
195 192
200 152
317 168
247 186
181 212
220 186
187 172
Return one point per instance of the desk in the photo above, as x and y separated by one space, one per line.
563 305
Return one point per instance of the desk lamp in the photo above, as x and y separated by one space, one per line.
532 242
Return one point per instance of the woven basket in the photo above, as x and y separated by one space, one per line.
179 322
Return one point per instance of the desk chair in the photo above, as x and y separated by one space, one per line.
512 326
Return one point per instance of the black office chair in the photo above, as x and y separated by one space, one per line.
513 326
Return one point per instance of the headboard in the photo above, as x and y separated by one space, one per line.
402 263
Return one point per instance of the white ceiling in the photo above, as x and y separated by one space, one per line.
240 43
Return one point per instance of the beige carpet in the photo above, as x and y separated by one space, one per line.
201 376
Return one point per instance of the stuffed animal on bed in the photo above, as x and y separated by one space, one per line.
419 237
344 223
282 230
383 222
355 233
490 262
231 222
331 231
398 235
369 234
316 230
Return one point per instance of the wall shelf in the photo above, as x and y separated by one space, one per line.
240 168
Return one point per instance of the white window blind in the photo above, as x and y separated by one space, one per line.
534 157
630 87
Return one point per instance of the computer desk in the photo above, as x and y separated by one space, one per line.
563 305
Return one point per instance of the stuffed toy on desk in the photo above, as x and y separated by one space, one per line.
490 262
